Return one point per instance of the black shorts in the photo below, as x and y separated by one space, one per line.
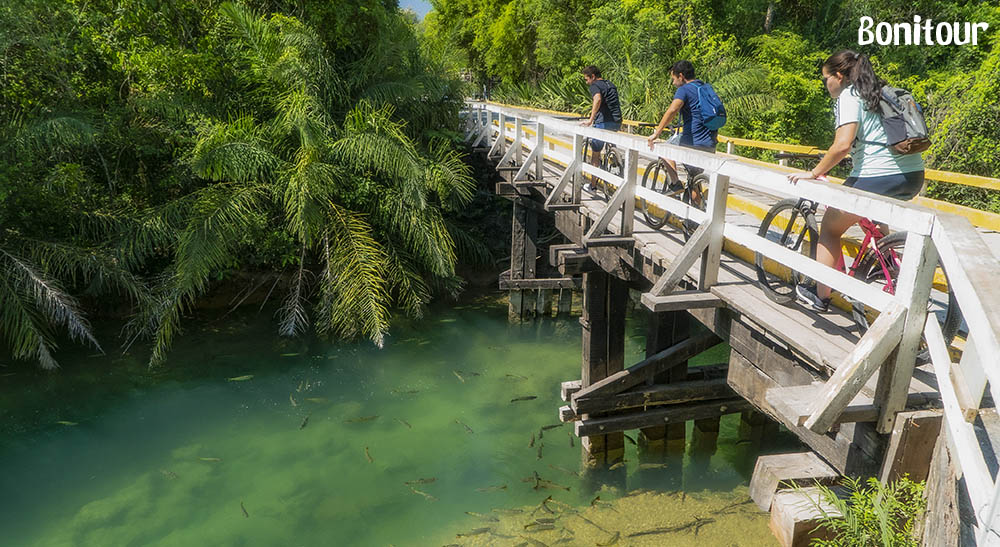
904 186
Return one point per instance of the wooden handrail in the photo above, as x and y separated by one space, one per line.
951 177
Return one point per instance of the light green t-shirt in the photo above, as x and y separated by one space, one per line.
871 160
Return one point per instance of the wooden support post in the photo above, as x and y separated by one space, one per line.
752 425
705 436
524 231
718 191
603 322
911 446
565 302
915 279
663 331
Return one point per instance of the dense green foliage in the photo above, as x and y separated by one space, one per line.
153 148
873 514
763 57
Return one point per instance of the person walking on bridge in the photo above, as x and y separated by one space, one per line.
605 111
877 167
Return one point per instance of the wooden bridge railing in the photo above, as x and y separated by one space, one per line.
973 273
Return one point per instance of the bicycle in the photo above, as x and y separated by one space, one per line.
691 192
611 161
878 260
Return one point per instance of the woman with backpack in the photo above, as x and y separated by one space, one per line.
879 167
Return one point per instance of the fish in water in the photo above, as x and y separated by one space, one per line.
427 496
553 426
525 398
652 465
475 532
617 465
292 400
289 354
459 376
420 481
545 483
630 439
490 518
169 474
244 509
369 456
536 527
305 422
593 502
360 419
571 443
66 422
463 424
614 539
541 434
509 511
404 422
532 443
564 470
299 389
406 392
211 460
540 445
534 542
492 488
517 376
318 400
240 378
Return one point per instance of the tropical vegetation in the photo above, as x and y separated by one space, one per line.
763 56
155 149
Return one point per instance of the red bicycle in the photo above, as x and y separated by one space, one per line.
792 224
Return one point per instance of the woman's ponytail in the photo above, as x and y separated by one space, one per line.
858 70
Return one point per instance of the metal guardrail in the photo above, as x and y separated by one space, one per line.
931 236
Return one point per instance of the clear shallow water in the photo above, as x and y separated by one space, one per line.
174 457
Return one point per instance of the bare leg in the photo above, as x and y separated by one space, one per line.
828 252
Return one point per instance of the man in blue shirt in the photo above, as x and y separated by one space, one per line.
605 111
695 134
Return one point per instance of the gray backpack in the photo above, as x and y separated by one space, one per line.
903 121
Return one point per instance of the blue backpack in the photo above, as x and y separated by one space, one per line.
713 113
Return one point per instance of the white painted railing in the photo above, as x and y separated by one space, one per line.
973 272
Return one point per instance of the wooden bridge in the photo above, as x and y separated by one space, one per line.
860 403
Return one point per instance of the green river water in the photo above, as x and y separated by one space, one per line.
175 456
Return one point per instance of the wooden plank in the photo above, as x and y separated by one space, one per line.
546 283
911 446
573 262
914 288
848 451
795 403
568 388
682 263
961 434
717 192
681 300
661 416
609 241
650 366
777 470
654 395
796 514
871 351
791 324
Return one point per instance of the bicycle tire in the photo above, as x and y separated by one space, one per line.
612 164
776 287
694 194
870 270
651 180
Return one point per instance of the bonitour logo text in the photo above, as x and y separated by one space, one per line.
920 32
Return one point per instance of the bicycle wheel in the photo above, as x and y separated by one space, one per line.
943 305
694 194
794 227
651 180
612 164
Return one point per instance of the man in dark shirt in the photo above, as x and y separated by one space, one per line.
605 112
695 134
